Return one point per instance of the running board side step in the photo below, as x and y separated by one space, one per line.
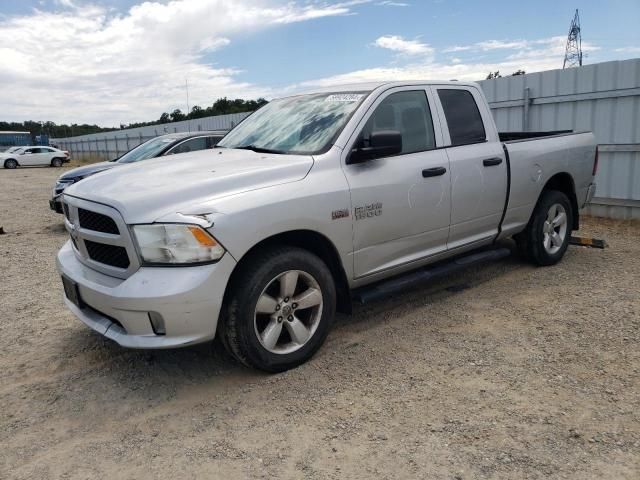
371 293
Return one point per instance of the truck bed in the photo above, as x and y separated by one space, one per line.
532 162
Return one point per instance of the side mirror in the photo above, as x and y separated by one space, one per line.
384 143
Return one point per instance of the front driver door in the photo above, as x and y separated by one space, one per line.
400 204
29 157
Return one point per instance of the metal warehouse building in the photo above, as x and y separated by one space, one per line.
603 98
14 139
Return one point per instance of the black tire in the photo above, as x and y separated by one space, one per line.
531 241
237 329
56 162
10 163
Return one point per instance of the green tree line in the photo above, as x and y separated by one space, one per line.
221 106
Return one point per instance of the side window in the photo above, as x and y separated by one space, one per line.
191 145
463 117
405 112
213 141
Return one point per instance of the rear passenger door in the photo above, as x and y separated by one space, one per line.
478 165
400 203
47 154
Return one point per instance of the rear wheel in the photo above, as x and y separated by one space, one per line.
280 310
546 238
11 163
56 162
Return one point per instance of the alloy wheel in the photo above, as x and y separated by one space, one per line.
288 312
554 229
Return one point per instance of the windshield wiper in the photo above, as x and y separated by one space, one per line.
256 149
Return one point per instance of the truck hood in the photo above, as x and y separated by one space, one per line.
85 171
145 191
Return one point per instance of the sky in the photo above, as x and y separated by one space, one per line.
121 61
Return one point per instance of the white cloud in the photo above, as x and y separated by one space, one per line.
520 45
88 63
548 47
628 50
389 3
530 56
489 45
399 45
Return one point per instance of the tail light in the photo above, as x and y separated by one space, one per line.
595 163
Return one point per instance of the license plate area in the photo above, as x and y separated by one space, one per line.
71 291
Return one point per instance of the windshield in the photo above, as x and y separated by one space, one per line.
305 124
146 150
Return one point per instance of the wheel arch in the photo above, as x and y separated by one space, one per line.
4 164
563 182
313 242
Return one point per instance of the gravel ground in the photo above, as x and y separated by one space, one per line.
504 371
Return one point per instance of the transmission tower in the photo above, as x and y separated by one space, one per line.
573 52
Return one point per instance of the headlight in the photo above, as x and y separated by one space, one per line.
173 243
62 184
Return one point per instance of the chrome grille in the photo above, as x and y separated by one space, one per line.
100 237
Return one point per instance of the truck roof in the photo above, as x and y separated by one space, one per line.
370 86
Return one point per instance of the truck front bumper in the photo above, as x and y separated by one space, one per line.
186 299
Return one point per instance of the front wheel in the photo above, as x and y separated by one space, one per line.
546 238
56 162
280 309
11 163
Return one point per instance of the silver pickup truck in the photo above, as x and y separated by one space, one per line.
312 201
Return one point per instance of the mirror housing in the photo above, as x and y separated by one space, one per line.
384 143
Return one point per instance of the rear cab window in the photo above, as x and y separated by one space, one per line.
463 116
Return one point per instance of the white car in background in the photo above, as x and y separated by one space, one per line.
36 155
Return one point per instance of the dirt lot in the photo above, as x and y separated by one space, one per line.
525 373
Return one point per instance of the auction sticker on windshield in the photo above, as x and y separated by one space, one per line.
344 97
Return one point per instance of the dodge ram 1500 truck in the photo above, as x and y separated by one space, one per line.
310 199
